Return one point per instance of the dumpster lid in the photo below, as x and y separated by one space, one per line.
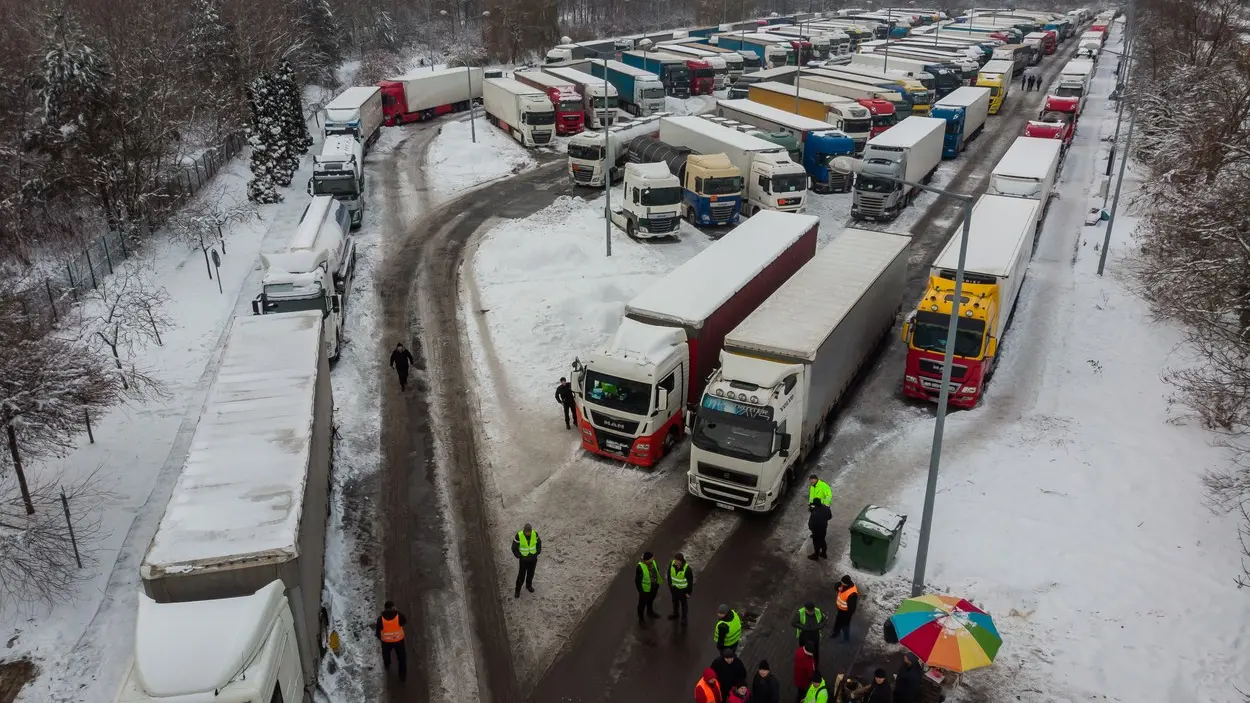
879 521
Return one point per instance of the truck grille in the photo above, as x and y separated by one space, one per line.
542 137
614 443
726 495
583 174
859 144
728 475
662 224
872 204
935 368
629 427
839 181
721 212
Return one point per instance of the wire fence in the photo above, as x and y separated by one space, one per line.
52 297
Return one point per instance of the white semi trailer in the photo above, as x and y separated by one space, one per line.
522 112
785 367
356 111
598 95
230 609
1028 170
339 171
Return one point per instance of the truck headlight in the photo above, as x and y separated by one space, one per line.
643 446
910 379
968 389
760 498
693 483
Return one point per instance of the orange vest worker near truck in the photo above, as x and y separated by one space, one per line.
390 632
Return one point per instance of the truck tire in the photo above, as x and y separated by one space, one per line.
629 230
670 442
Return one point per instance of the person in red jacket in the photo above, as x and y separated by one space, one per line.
804 667
707 690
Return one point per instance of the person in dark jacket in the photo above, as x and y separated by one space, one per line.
818 524
808 623
647 580
400 361
730 670
908 680
680 585
564 396
526 547
765 688
389 629
847 601
876 692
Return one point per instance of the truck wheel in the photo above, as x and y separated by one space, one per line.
670 441
629 229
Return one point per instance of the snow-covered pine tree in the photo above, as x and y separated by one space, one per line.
267 138
216 61
295 129
386 32
322 52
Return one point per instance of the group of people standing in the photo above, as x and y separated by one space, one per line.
1031 80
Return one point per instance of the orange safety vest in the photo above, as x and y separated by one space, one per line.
844 595
391 631
711 695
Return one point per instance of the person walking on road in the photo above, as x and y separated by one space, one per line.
730 670
389 629
564 396
647 580
400 361
818 491
907 681
848 599
526 547
765 688
818 523
707 690
728 629
804 668
680 585
816 690
808 623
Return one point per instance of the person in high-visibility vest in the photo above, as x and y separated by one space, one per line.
816 691
848 599
526 546
818 491
389 630
808 623
707 690
680 585
728 630
647 580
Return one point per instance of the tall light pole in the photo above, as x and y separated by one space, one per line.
607 153
848 165
468 76
1128 143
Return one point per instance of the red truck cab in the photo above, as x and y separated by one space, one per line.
882 112
1052 41
702 79
395 106
1052 125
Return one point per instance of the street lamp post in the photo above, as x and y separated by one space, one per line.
848 165
1128 143
468 78
607 148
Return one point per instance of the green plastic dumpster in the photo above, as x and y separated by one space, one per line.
875 536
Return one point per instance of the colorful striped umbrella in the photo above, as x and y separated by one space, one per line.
946 632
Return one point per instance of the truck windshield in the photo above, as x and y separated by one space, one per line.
570 106
733 435
611 102
273 306
585 153
679 75
339 185
857 126
620 394
661 196
541 118
789 183
884 120
653 94
1068 92
954 126
875 185
930 328
722 186
705 73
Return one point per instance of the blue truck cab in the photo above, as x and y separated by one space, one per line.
819 149
954 117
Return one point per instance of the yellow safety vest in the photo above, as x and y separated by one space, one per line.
649 577
820 617
530 548
817 693
821 492
677 579
735 630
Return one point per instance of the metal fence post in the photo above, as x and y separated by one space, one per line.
104 242
47 285
90 267
121 239
72 286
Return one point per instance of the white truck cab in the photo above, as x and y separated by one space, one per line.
652 202
338 171
775 183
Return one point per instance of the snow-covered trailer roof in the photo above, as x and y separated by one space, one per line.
690 293
238 499
1028 157
795 321
1001 225
546 79
724 136
908 133
581 78
654 170
815 96
352 98
964 97
766 112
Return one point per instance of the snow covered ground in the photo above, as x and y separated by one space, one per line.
456 163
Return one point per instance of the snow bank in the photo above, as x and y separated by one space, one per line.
455 163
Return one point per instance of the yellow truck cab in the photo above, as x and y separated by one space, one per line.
996 75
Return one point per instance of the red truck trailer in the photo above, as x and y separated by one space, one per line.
424 95
564 98
633 392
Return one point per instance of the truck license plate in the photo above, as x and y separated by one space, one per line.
726 506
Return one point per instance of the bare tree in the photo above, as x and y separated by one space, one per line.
122 316
40 550
203 221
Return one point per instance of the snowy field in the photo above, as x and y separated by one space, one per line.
456 163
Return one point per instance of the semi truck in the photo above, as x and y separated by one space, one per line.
652 203
771 54
963 66
1074 79
1000 244
911 151
565 100
598 95
843 113
784 369
772 180
230 603
639 92
587 150
711 185
674 71
522 112
719 65
633 393
944 79
738 62
865 88
357 112
314 271
880 109
1020 56
965 111
424 95
996 75
820 143
920 96
339 171
741 88
1028 170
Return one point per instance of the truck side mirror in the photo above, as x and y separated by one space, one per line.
688 421
310 186
258 305
335 303
991 347
661 399
785 442
907 324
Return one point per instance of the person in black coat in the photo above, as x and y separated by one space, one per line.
765 688
818 523
876 692
400 361
564 396
730 670
908 680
